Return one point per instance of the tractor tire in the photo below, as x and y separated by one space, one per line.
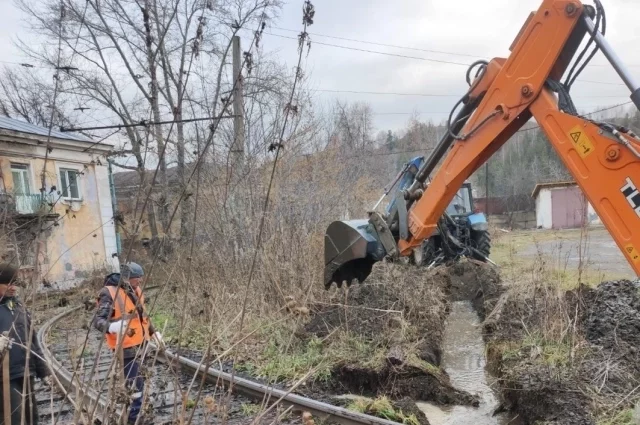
482 242
424 254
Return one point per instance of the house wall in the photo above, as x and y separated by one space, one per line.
83 239
543 209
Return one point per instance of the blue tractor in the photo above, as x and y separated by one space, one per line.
461 231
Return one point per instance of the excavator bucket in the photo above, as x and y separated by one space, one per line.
350 250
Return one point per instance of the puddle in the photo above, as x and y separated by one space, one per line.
464 361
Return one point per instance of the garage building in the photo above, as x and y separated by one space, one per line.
562 205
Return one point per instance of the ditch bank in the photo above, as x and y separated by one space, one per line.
387 335
551 356
562 357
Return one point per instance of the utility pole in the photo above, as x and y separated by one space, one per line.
486 188
237 149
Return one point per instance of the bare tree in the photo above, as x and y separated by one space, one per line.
148 60
25 96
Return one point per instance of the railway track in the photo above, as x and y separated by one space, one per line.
83 370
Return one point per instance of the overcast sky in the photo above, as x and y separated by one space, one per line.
463 27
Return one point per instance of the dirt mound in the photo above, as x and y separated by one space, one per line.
400 382
612 325
398 305
400 311
613 315
566 358
368 308
542 394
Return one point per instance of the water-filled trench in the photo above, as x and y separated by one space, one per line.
464 361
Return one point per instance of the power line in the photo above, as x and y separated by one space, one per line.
387 45
417 49
423 112
100 140
144 123
387 93
427 94
584 115
416 57
376 52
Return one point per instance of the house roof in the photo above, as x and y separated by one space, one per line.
551 185
25 127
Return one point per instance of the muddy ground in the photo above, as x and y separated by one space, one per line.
561 357
400 312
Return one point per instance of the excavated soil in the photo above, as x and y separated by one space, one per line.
401 310
611 323
601 369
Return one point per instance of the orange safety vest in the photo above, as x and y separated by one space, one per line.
125 309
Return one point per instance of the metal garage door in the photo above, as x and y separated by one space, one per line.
568 208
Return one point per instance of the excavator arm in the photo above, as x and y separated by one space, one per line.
604 159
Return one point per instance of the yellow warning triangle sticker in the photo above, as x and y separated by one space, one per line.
576 136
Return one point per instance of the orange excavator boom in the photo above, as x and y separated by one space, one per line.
603 158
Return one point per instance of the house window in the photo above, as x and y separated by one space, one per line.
69 185
21 181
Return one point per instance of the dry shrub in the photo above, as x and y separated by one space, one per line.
205 288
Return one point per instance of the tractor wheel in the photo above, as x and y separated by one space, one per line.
423 255
482 242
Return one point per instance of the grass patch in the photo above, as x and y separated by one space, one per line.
624 417
280 365
414 360
249 409
547 265
549 352
290 359
540 350
382 408
193 336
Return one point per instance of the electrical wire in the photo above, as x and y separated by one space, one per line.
144 123
385 93
433 94
421 58
384 44
395 46
608 108
536 127
374 51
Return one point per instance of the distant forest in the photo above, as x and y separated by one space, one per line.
527 159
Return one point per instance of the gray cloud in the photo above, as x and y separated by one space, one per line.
481 28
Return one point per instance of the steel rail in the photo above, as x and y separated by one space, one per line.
251 389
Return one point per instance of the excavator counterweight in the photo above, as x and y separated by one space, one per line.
603 158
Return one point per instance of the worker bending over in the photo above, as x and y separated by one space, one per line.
121 316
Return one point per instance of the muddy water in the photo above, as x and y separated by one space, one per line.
464 361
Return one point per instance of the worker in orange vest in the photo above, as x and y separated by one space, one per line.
122 317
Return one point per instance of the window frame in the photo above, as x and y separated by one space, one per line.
28 171
63 168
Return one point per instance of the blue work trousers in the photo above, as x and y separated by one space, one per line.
135 382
